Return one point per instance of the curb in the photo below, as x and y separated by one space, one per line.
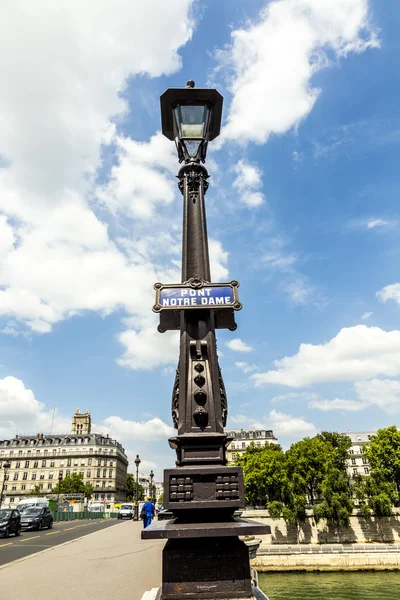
28 556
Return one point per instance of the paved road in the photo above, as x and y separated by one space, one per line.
30 542
110 563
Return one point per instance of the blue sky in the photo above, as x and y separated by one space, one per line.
302 210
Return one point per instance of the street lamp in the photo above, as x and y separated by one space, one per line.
60 477
202 491
6 465
137 463
151 475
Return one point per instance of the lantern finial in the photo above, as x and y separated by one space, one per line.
190 83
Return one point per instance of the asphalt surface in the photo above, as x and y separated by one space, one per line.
30 542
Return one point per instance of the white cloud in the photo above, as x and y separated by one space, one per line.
142 178
248 182
336 404
390 292
286 425
218 261
22 413
273 61
358 352
294 396
145 347
384 393
245 367
366 315
282 424
128 431
377 223
56 119
278 260
236 345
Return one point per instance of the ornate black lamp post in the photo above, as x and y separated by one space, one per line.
204 557
60 478
151 475
6 466
137 463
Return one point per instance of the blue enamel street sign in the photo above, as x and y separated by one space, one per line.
198 295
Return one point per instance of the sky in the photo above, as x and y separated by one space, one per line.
302 210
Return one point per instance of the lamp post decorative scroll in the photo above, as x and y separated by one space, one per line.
203 557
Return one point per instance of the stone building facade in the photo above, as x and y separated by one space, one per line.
242 438
40 459
357 462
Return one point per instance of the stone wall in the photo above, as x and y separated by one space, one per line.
384 529
328 562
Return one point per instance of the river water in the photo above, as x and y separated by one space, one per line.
366 585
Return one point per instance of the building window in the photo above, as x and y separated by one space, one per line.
11 452
103 484
98 473
46 451
351 451
60 473
49 486
89 462
64 451
75 462
23 487
42 475
43 463
234 456
233 446
29 452
82 462
110 473
81 473
354 471
89 474
40 486
96 496
33 476
69 463
243 444
27 464
353 461
16 476
366 471
14 488
104 472
52 463
11 500
17 465
19 452
54 451
35 464
38 451
62 463
67 472
51 475
25 476
364 461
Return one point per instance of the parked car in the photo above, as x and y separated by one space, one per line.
32 502
10 522
37 517
126 511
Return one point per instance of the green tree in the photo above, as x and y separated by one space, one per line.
264 473
383 455
73 484
37 492
305 468
131 488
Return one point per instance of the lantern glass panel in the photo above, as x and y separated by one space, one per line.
192 147
191 119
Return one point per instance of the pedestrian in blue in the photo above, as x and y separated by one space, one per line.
147 513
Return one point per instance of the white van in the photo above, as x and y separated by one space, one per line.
127 511
96 507
32 502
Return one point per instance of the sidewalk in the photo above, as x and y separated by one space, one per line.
112 563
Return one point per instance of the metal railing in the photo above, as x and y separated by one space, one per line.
74 516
